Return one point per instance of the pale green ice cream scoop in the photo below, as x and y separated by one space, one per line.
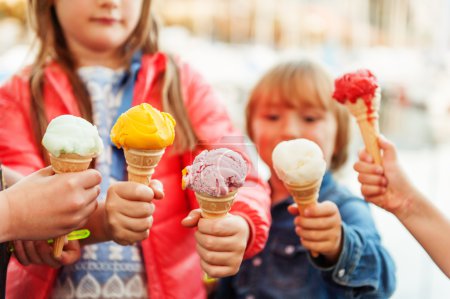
68 134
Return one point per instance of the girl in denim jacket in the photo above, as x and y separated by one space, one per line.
293 100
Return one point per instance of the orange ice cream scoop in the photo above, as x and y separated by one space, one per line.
143 127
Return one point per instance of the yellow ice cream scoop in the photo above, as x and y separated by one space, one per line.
143 127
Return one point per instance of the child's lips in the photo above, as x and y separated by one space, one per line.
106 20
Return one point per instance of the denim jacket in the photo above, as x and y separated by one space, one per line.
285 269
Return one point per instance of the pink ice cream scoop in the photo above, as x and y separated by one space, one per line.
216 172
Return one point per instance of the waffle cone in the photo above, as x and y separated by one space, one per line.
66 163
368 125
141 164
305 196
70 163
215 207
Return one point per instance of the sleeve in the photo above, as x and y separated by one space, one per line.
18 149
364 265
214 129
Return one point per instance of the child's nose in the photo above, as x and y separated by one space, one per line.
292 128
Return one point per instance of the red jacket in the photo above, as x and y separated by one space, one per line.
171 262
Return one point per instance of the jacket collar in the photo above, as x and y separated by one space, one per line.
57 85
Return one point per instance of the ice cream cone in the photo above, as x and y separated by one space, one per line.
141 164
367 118
63 164
305 196
70 163
215 207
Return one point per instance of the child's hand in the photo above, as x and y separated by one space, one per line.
41 253
129 211
60 203
320 229
221 242
387 186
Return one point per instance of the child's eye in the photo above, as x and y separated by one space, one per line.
310 119
272 117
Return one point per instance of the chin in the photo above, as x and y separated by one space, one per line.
105 46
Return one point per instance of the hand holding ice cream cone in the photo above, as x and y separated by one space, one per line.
72 142
144 133
215 176
360 92
300 165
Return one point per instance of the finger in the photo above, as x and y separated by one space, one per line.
19 253
314 235
71 253
137 209
321 223
158 189
365 156
389 149
134 191
376 200
213 243
367 168
217 271
293 209
319 246
192 219
46 171
215 258
86 213
92 193
321 209
137 225
88 178
126 237
45 252
31 252
220 227
370 191
371 179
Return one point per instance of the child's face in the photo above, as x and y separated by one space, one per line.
97 25
276 121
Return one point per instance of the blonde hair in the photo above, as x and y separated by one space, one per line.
52 46
280 83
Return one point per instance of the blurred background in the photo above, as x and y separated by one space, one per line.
406 43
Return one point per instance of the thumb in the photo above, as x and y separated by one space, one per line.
293 209
46 171
389 150
192 219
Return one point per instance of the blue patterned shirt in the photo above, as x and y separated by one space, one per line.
105 270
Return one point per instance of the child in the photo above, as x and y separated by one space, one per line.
97 59
293 100
388 187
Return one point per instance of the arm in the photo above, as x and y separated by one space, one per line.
363 265
431 229
350 249
390 188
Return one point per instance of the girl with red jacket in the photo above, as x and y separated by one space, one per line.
96 59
